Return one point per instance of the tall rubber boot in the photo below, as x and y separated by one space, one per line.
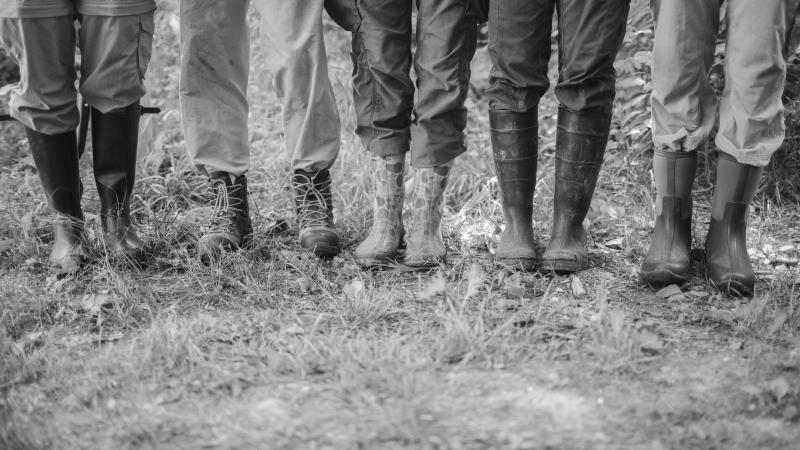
668 260
424 241
314 205
727 262
381 245
56 159
229 227
515 140
115 137
580 145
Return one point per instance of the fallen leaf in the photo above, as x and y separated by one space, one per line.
354 289
577 287
668 291
650 342
513 285
475 280
94 303
777 322
293 329
779 388
436 286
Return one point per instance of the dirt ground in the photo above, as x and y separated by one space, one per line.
271 348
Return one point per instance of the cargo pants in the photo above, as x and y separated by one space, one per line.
590 33
40 37
684 104
389 121
214 72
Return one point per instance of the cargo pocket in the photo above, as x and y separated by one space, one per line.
345 13
145 42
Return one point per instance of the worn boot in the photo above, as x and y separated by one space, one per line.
424 242
515 140
668 260
314 206
56 159
384 238
115 137
229 227
580 145
727 262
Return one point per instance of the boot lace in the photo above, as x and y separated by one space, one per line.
225 207
312 210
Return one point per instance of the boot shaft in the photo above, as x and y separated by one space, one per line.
515 141
115 137
735 183
674 174
56 160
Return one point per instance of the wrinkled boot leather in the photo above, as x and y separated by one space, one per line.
424 242
515 139
56 159
728 265
669 257
114 143
384 239
580 145
314 206
229 227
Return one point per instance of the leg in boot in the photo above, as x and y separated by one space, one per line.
515 141
581 142
727 262
424 242
229 227
384 238
56 159
314 205
114 143
668 260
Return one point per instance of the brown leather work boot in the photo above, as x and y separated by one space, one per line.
314 206
424 242
229 227
384 239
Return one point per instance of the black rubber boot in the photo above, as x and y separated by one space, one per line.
229 227
314 206
580 145
727 262
515 140
668 260
56 159
115 136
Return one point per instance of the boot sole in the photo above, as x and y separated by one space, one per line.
664 277
376 260
526 264
325 251
563 266
733 288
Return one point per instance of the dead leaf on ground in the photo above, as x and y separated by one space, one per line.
94 303
436 286
668 291
475 280
650 342
577 287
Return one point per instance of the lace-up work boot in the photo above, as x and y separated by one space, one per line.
728 265
581 141
56 159
229 227
386 234
114 141
314 207
668 260
515 140
424 242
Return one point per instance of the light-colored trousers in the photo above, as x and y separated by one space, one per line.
684 105
215 63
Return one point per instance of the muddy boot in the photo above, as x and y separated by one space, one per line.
384 238
56 159
314 206
115 137
229 227
668 260
727 262
515 139
424 241
580 145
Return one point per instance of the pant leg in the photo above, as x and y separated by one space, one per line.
383 92
296 56
113 68
45 99
683 101
519 46
447 33
589 37
751 126
215 60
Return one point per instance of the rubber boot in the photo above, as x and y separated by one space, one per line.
424 242
580 145
381 245
115 136
56 159
515 140
668 261
314 206
727 262
229 227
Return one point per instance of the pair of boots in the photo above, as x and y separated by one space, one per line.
580 145
230 226
114 143
424 243
727 262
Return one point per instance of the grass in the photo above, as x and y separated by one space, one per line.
271 348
